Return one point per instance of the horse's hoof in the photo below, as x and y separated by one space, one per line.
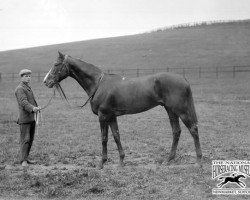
100 166
169 162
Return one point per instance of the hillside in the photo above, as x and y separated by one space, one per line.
224 44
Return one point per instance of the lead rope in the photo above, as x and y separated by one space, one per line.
38 115
65 99
54 93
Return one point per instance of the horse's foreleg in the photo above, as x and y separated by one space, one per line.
114 128
104 133
174 121
241 184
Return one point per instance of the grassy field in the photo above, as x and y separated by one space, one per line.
68 147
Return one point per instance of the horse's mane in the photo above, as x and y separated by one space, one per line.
86 64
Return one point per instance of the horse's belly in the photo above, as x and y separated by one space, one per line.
134 110
135 97
135 106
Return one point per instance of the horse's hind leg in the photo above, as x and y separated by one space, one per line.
114 128
193 128
221 184
174 121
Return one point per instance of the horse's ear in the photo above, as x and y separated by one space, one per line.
60 55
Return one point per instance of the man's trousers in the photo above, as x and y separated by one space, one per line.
26 139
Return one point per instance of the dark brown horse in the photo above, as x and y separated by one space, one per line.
112 96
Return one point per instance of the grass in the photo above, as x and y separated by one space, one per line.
68 147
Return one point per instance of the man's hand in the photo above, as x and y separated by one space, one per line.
36 109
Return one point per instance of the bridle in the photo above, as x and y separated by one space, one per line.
64 65
62 93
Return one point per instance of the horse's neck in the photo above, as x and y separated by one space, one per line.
85 74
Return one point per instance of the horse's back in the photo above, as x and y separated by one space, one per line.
159 85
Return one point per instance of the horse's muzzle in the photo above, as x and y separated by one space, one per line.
49 84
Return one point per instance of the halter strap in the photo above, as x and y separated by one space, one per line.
65 63
65 58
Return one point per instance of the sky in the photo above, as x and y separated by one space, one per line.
29 23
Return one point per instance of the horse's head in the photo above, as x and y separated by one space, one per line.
58 72
241 176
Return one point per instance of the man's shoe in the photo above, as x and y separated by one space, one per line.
31 161
25 164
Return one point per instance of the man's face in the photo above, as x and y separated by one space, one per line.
26 78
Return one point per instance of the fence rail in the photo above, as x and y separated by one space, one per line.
189 72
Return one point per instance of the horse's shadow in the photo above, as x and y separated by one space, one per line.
233 179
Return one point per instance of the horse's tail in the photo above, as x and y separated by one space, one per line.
191 108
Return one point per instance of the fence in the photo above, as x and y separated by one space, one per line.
191 72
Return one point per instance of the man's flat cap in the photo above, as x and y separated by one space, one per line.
24 71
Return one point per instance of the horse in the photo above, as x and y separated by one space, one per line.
234 179
111 96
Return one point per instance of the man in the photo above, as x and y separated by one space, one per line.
28 109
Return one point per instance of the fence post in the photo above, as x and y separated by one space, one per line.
138 72
233 71
199 72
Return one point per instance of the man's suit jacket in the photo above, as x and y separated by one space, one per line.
26 102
